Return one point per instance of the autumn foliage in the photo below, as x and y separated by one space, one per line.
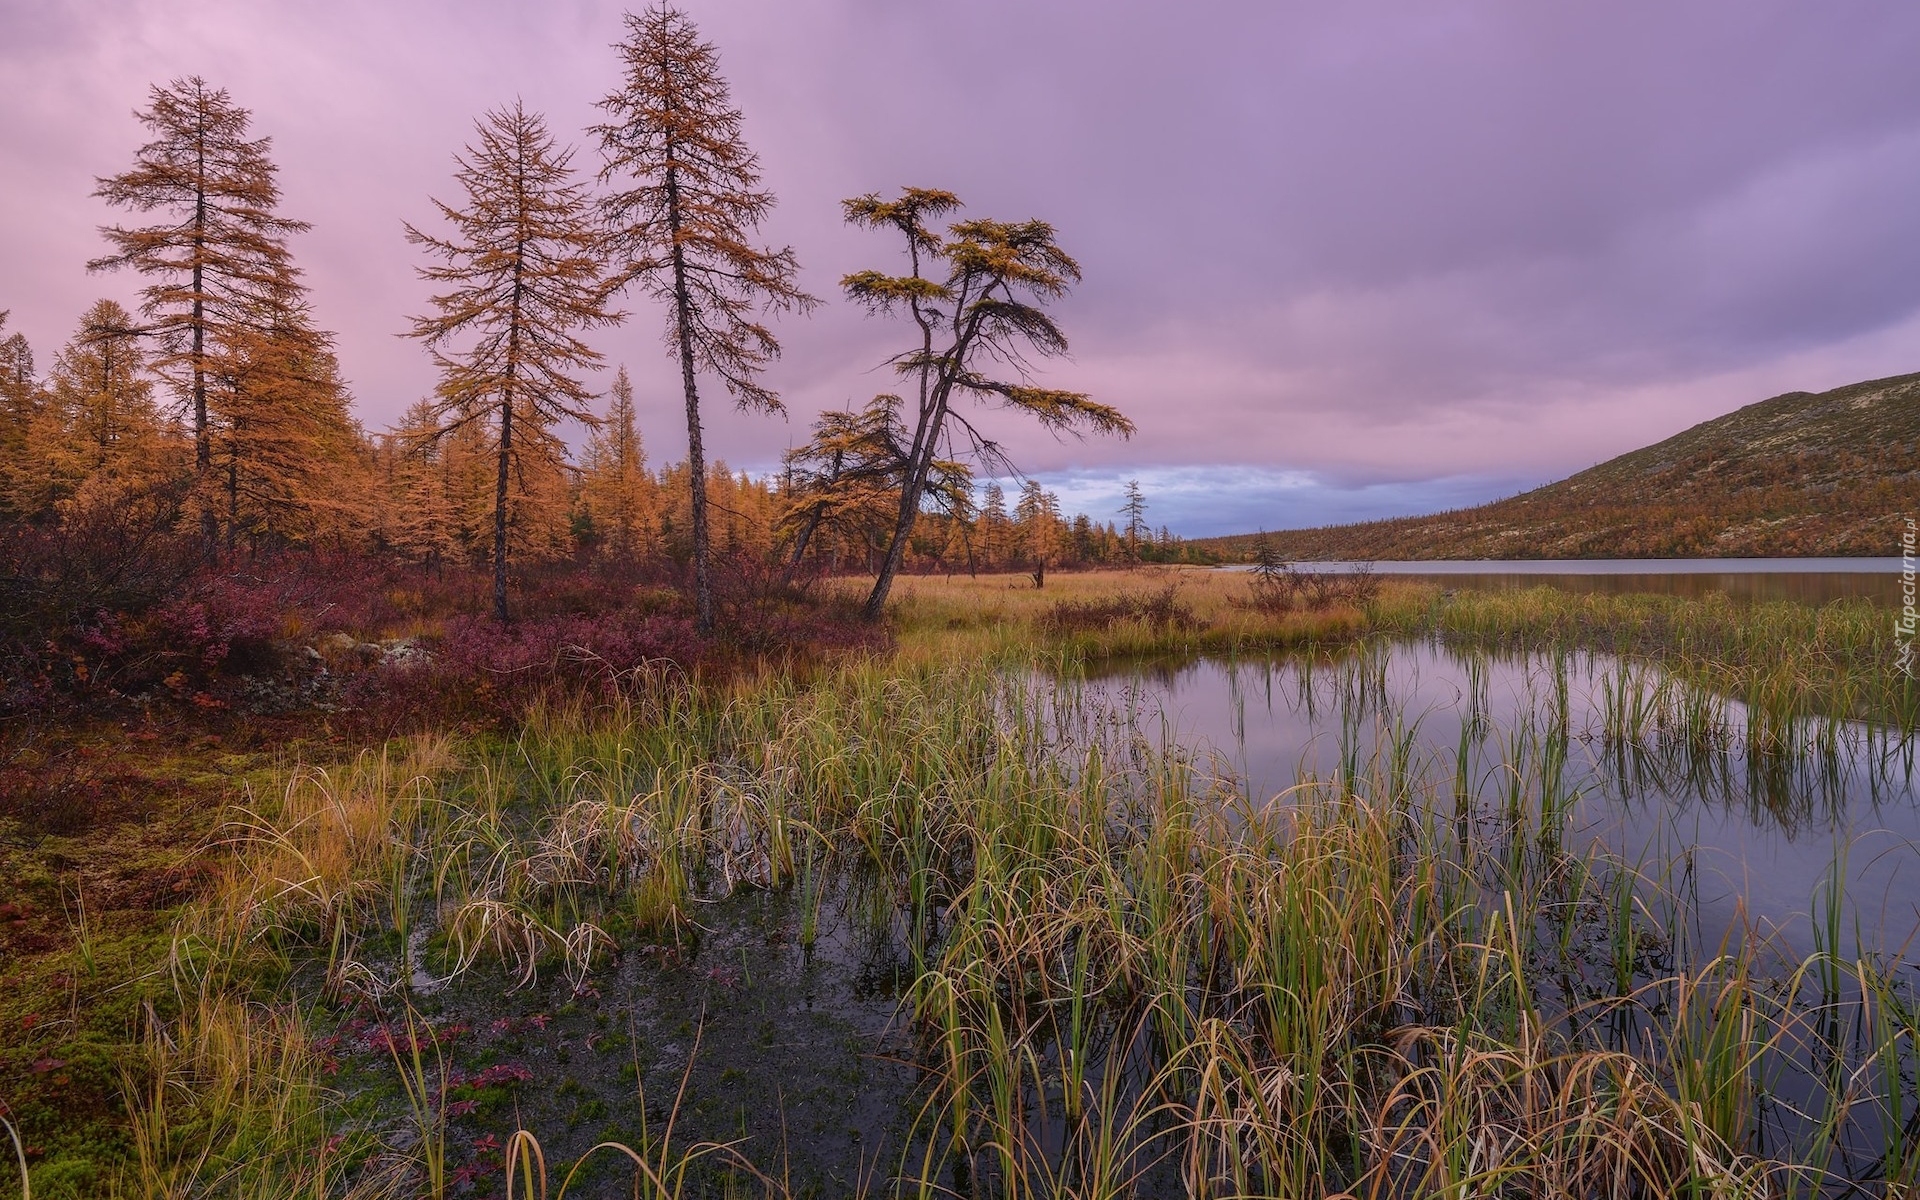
191 515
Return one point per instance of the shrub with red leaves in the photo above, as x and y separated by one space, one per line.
482 672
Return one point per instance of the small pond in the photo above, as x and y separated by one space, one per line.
1758 829
793 1020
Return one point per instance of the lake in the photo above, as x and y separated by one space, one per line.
1807 580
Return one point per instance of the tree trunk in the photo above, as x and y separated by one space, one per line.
233 495
696 471
876 605
506 425
926 436
913 488
800 547
202 441
500 511
696 452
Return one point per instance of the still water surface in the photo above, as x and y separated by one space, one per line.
1746 832
1807 580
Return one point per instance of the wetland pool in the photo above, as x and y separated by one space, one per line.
1657 771
790 1018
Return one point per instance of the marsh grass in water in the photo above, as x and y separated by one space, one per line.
990 937
1112 977
1784 659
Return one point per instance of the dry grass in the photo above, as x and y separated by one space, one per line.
1002 616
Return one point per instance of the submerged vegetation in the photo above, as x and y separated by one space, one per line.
919 922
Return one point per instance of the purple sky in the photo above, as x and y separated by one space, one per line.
1342 260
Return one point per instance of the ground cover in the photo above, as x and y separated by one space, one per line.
1042 954
103 831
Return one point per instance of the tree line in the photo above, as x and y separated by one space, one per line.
221 404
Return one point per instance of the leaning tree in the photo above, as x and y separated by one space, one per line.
523 272
686 199
985 308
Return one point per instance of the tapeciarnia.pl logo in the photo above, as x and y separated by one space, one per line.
1903 625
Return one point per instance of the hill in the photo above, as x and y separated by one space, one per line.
1833 473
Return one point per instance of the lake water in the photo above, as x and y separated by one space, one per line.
1807 580
1757 831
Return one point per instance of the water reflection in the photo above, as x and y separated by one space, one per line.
1759 810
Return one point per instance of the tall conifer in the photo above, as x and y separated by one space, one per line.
616 494
288 455
686 201
421 518
218 257
97 436
19 405
523 271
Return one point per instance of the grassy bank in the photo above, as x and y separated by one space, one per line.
1787 659
1110 978
1093 615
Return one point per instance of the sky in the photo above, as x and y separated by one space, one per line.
1341 261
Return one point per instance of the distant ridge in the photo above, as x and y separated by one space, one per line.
1801 474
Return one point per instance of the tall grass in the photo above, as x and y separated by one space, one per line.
224 1101
1128 978
1783 659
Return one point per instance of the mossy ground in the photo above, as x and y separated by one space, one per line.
107 830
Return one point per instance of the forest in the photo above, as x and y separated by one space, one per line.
188 464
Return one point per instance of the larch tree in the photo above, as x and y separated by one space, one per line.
839 476
421 517
616 493
97 436
685 199
467 474
993 523
1135 510
522 268
847 477
218 256
986 308
1037 517
289 461
19 406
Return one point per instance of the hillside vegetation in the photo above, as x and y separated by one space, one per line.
1800 474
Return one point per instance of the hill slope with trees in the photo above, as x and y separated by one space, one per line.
1832 473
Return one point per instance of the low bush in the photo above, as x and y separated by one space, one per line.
1158 609
479 672
1280 588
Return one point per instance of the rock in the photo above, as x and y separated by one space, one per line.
338 643
404 652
